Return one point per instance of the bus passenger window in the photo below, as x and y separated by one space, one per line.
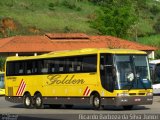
71 65
89 63
29 67
52 68
19 66
78 64
61 66
43 66
157 74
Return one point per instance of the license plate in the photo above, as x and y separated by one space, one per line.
137 99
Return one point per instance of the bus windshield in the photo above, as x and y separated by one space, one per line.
132 72
1 81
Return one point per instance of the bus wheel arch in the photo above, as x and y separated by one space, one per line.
95 100
38 100
27 100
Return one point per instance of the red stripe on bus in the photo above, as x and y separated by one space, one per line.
88 92
19 87
22 90
85 91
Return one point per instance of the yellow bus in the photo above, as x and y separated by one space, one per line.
98 77
2 90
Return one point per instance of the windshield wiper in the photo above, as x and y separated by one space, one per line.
132 83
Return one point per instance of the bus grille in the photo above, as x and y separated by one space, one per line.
10 91
132 93
141 93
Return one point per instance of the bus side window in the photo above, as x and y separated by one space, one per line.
35 67
29 67
19 68
157 74
61 65
89 63
45 67
56 65
78 64
51 66
10 68
71 65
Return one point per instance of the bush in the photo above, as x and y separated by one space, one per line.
97 1
71 4
51 6
157 55
154 10
2 63
67 29
157 26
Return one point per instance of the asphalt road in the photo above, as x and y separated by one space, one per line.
13 111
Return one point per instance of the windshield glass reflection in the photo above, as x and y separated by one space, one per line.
132 72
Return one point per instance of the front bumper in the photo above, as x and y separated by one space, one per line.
128 100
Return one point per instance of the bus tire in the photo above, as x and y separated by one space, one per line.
127 107
38 101
27 100
95 101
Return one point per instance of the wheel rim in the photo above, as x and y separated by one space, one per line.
96 101
28 101
38 101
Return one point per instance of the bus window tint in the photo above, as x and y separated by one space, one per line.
89 64
29 68
157 74
76 64
70 65
10 68
19 68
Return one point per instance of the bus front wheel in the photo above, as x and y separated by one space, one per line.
38 101
27 100
95 101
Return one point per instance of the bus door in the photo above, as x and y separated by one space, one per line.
107 72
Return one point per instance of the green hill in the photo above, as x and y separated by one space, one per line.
39 16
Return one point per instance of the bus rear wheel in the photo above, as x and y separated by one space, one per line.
38 101
95 101
27 100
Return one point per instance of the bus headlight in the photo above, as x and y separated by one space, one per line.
122 94
149 94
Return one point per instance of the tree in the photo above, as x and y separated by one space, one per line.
115 18
2 63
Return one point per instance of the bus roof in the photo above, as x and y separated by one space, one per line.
77 52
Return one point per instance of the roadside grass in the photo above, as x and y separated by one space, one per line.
153 40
